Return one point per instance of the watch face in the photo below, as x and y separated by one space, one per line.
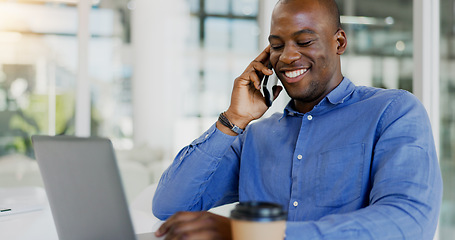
237 129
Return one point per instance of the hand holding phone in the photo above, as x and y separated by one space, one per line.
247 103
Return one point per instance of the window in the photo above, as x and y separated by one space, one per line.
379 51
224 38
39 74
447 119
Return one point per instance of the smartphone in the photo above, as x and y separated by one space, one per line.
267 86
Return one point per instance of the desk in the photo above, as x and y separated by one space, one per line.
39 224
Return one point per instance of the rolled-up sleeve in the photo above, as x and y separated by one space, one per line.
207 161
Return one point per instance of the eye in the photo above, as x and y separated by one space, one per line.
305 43
276 46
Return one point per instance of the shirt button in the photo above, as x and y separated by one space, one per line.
295 204
206 136
310 117
299 157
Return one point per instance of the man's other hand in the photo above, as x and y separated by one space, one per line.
195 225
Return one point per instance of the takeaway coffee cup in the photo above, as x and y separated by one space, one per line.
258 221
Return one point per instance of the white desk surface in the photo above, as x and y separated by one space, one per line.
39 224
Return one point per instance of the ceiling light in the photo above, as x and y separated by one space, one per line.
359 20
400 46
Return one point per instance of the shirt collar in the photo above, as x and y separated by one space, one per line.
337 96
341 92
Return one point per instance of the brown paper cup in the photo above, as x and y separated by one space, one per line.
258 221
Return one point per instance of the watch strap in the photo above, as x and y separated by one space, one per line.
225 121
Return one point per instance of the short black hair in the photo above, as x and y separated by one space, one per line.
331 6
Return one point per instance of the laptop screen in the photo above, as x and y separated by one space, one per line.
84 187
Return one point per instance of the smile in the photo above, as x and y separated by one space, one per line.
295 73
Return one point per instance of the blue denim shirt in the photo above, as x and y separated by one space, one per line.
361 165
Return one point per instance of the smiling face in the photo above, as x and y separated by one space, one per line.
306 44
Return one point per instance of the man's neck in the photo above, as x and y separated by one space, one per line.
304 106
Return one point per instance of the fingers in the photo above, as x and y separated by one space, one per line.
247 102
254 74
195 225
261 68
175 219
257 69
254 78
263 56
188 230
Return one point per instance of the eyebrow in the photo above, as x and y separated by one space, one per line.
303 31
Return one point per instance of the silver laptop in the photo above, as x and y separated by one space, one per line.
84 188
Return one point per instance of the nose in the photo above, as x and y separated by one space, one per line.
289 54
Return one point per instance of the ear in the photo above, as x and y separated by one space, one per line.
341 41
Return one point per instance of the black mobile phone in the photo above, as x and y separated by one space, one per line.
267 85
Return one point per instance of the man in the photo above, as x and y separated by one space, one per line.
346 162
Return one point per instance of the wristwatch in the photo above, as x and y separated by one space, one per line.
223 120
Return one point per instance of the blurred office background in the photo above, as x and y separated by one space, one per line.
152 75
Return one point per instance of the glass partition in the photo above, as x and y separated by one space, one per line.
38 78
447 119
110 71
37 73
379 51
223 39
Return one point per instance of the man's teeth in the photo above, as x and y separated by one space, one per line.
295 73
